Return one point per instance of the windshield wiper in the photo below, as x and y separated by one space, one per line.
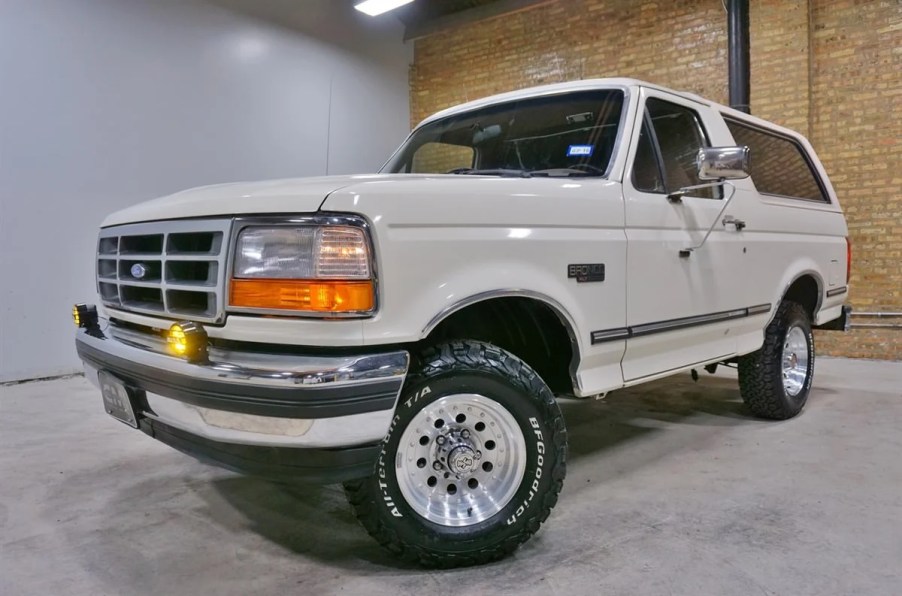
566 172
504 172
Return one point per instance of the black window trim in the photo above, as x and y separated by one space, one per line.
659 157
656 149
827 200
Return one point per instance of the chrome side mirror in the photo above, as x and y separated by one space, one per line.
723 163
716 165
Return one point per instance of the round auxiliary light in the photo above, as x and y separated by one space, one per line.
84 316
189 340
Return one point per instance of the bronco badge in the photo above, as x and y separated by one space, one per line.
585 273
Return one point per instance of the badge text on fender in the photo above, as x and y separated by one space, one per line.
586 273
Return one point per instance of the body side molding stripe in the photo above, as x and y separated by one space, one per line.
837 292
610 335
674 324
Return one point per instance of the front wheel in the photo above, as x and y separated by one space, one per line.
472 464
775 380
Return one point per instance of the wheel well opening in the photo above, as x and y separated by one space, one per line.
805 291
525 327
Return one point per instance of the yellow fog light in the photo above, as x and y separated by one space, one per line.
84 316
189 340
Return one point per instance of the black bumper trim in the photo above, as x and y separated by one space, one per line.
322 466
282 402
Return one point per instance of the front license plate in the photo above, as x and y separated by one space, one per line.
117 399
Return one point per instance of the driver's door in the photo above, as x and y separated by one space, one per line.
677 307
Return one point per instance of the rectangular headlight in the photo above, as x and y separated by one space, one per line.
321 269
282 252
306 252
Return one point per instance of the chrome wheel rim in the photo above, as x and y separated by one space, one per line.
460 460
795 360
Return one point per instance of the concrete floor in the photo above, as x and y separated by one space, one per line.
672 489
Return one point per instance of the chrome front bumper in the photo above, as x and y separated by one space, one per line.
254 399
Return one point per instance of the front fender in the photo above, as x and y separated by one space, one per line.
444 242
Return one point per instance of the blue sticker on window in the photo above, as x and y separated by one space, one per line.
580 150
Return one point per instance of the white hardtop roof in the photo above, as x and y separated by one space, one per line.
607 83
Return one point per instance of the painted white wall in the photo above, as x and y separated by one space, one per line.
106 103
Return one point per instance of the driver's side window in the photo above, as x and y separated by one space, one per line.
668 147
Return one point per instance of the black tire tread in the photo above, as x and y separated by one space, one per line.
760 382
471 356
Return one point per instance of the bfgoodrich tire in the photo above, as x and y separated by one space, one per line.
473 462
775 381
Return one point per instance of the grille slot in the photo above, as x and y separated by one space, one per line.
106 268
191 303
151 244
170 268
141 297
108 246
109 293
197 243
202 273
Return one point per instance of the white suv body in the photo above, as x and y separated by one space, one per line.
602 245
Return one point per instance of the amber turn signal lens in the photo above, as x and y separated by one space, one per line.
303 295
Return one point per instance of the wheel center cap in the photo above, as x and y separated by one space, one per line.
793 360
462 459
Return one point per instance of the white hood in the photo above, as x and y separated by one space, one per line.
289 195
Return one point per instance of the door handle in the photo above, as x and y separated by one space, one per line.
729 219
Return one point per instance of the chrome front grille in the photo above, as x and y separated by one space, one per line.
174 269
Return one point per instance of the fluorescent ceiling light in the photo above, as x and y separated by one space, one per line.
377 7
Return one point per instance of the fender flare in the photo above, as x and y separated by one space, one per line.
562 314
818 279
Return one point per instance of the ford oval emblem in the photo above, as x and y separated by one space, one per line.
139 271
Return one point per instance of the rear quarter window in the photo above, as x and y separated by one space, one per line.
780 165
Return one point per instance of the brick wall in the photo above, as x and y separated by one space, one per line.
831 69
856 116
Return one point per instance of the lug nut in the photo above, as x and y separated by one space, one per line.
440 439
465 434
436 465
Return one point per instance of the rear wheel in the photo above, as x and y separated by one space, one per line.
775 381
472 464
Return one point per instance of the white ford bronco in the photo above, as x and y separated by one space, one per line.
408 333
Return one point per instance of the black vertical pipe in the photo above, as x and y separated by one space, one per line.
738 40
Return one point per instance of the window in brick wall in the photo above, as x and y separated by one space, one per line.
779 164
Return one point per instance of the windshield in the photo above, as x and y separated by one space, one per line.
570 134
